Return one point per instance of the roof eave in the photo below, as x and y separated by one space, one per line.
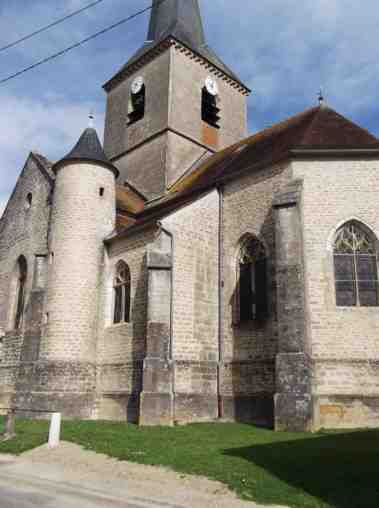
58 165
136 228
334 152
125 70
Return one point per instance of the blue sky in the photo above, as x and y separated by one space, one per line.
284 50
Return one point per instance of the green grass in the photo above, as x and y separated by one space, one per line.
323 470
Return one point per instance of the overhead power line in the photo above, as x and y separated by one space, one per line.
51 25
76 45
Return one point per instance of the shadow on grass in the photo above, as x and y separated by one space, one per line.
341 470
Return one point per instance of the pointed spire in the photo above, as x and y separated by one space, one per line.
88 148
179 18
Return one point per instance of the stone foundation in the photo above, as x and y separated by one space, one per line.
346 411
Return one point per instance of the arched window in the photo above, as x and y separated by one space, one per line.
355 266
210 112
252 296
122 294
137 103
22 272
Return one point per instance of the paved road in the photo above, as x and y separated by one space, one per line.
21 492
71 477
20 489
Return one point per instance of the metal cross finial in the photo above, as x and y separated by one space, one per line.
91 117
321 99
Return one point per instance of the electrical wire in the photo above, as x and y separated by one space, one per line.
73 46
51 25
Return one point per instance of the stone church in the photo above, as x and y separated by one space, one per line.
189 272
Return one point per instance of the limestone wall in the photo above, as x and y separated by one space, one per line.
344 341
121 347
23 231
188 77
249 349
195 307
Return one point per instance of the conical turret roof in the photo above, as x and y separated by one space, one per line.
88 148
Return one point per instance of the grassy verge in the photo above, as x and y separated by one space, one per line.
324 470
29 434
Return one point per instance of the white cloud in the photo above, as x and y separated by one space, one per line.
286 50
283 49
50 126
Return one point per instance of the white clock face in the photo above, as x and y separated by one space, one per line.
137 85
211 86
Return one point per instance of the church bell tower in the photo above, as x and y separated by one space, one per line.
172 104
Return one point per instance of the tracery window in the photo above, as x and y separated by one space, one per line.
252 296
355 266
22 272
122 294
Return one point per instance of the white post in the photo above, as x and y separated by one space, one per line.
55 430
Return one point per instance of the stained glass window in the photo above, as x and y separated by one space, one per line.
122 294
355 266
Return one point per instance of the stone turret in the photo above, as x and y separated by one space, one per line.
83 214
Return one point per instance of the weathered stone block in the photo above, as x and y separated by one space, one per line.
293 373
156 409
293 413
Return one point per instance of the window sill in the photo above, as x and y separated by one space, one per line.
251 324
124 324
357 307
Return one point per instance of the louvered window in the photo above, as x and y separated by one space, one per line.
137 105
210 112
355 266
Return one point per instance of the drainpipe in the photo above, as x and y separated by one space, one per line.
171 345
220 298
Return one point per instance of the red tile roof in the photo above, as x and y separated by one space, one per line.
319 128
316 128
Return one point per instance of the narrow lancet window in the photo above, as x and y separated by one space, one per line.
210 112
252 281
355 266
137 101
122 294
20 292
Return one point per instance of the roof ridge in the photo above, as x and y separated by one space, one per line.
256 137
280 126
